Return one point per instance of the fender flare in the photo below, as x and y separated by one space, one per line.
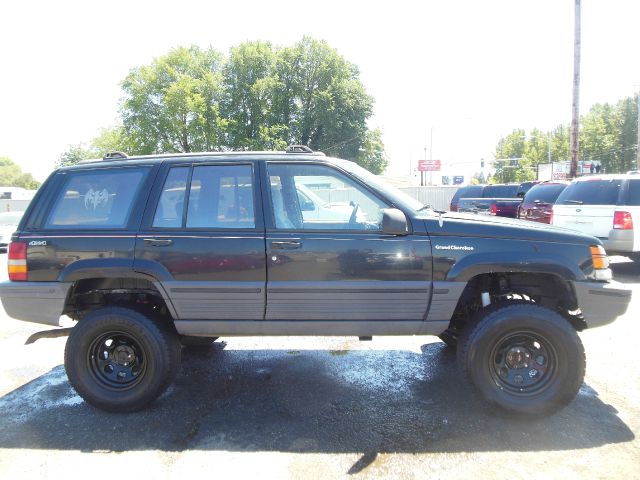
512 262
114 268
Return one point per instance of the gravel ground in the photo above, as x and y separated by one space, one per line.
320 408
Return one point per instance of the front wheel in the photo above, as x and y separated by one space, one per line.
120 360
524 358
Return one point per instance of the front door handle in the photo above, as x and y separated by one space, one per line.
158 242
288 245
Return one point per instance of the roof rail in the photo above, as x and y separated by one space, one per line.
114 155
298 149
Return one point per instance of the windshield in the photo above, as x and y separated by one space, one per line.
591 192
398 197
544 193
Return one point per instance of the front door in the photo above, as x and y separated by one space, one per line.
327 257
205 243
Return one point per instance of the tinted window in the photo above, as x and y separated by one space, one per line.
96 199
544 193
472 191
314 197
591 192
221 196
500 191
171 204
633 197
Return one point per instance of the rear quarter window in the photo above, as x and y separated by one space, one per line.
96 199
591 192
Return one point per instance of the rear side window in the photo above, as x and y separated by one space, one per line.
633 197
544 193
96 199
469 192
591 192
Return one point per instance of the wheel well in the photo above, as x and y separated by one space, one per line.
546 289
89 294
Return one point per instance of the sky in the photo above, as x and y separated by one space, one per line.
451 77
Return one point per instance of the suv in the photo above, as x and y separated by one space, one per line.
605 206
146 253
537 204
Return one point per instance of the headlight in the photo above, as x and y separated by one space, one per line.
601 269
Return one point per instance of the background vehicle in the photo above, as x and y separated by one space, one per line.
469 191
148 253
8 224
538 202
500 200
605 206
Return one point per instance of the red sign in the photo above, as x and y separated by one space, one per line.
428 165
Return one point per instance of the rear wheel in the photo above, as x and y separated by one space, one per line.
524 358
120 360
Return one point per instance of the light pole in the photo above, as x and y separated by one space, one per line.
430 155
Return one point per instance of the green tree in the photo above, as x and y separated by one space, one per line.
608 135
11 175
260 98
173 104
510 163
371 155
250 86
109 140
323 99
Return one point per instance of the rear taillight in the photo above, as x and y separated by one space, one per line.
494 209
453 207
17 261
551 217
622 221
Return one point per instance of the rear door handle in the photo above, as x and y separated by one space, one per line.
158 242
288 245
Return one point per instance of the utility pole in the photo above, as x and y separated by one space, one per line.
638 137
422 172
575 117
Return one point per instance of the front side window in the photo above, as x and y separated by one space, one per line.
315 197
96 199
221 196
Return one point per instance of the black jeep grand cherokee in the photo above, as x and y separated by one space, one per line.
148 253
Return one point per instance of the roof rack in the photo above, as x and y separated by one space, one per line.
298 149
114 155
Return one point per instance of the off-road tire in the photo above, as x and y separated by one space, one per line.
523 357
120 360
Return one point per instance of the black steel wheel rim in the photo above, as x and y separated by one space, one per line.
523 363
117 360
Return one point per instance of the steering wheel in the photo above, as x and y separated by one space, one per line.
354 214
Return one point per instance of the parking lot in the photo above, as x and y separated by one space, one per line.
321 408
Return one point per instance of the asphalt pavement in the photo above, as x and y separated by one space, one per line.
321 408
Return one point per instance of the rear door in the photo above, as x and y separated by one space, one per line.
588 206
203 239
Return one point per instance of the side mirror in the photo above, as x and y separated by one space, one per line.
394 222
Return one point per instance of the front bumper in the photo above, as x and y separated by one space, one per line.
38 302
601 303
